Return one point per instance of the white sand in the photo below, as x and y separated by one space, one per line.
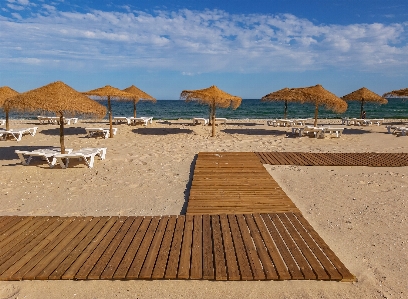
360 212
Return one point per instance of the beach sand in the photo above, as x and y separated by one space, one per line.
360 212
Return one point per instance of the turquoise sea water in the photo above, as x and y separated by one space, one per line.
250 108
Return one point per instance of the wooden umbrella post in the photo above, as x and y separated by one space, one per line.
134 108
213 118
286 109
7 120
316 112
362 108
110 118
62 133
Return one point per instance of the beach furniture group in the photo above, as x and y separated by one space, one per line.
397 130
56 120
205 121
288 122
53 156
318 132
361 121
103 132
133 120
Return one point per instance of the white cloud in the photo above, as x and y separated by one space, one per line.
194 42
15 7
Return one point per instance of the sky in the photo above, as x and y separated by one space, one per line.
246 48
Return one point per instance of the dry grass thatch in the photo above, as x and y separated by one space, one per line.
140 94
5 93
55 97
366 95
212 96
313 94
111 92
396 93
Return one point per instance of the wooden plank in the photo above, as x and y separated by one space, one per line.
163 256
118 256
267 264
291 265
243 263
65 248
148 266
175 250
73 255
132 250
208 258
46 243
18 227
317 268
107 254
140 257
52 252
345 273
230 256
97 254
82 259
331 271
219 259
250 249
7 222
15 257
184 266
196 267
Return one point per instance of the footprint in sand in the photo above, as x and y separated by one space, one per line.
9 292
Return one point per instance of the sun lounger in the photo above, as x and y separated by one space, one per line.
2 122
280 122
45 153
197 120
145 120
68 121
378 121
316 131
393 128
90 132
17 133
121 119
87 155
47 119
333 130
221 119
397 129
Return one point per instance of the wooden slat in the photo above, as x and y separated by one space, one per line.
184 266
196 268
208 258
230 256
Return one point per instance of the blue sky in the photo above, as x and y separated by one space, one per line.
247 48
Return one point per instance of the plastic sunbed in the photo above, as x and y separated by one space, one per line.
17 133
90 132
45 153
87 155
197 120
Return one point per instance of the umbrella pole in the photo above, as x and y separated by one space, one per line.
134 108
316 112
362 108
286 108
110 118
62 133
7 120
213 119
210 116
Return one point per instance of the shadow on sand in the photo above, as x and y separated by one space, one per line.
161 131
188 186
255 132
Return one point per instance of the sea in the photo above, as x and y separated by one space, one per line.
397 108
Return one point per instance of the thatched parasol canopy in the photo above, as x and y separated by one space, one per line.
141 96
214 97
5 93
59 98
313 94
111 92
364 95
284 94
396 93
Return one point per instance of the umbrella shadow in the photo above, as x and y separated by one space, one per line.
244 124
161 131
188 186
350 131
67 131
166 122
254 132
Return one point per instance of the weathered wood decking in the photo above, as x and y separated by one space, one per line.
228 183
334 159
240 225
214 247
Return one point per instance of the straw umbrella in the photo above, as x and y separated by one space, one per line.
140 96
312 94
214 97
396 93
59 98
270 97
110 92
5 93
364 95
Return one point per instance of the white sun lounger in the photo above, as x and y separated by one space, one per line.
393 128
85 154
301 131
121 119
135 120
333 130
17 133
90 132
47 119
197 120
221 119
2 122
397 129
45 153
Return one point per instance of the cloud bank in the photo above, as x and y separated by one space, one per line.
192 42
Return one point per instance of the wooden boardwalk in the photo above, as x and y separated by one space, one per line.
274 246
334 159
235 183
